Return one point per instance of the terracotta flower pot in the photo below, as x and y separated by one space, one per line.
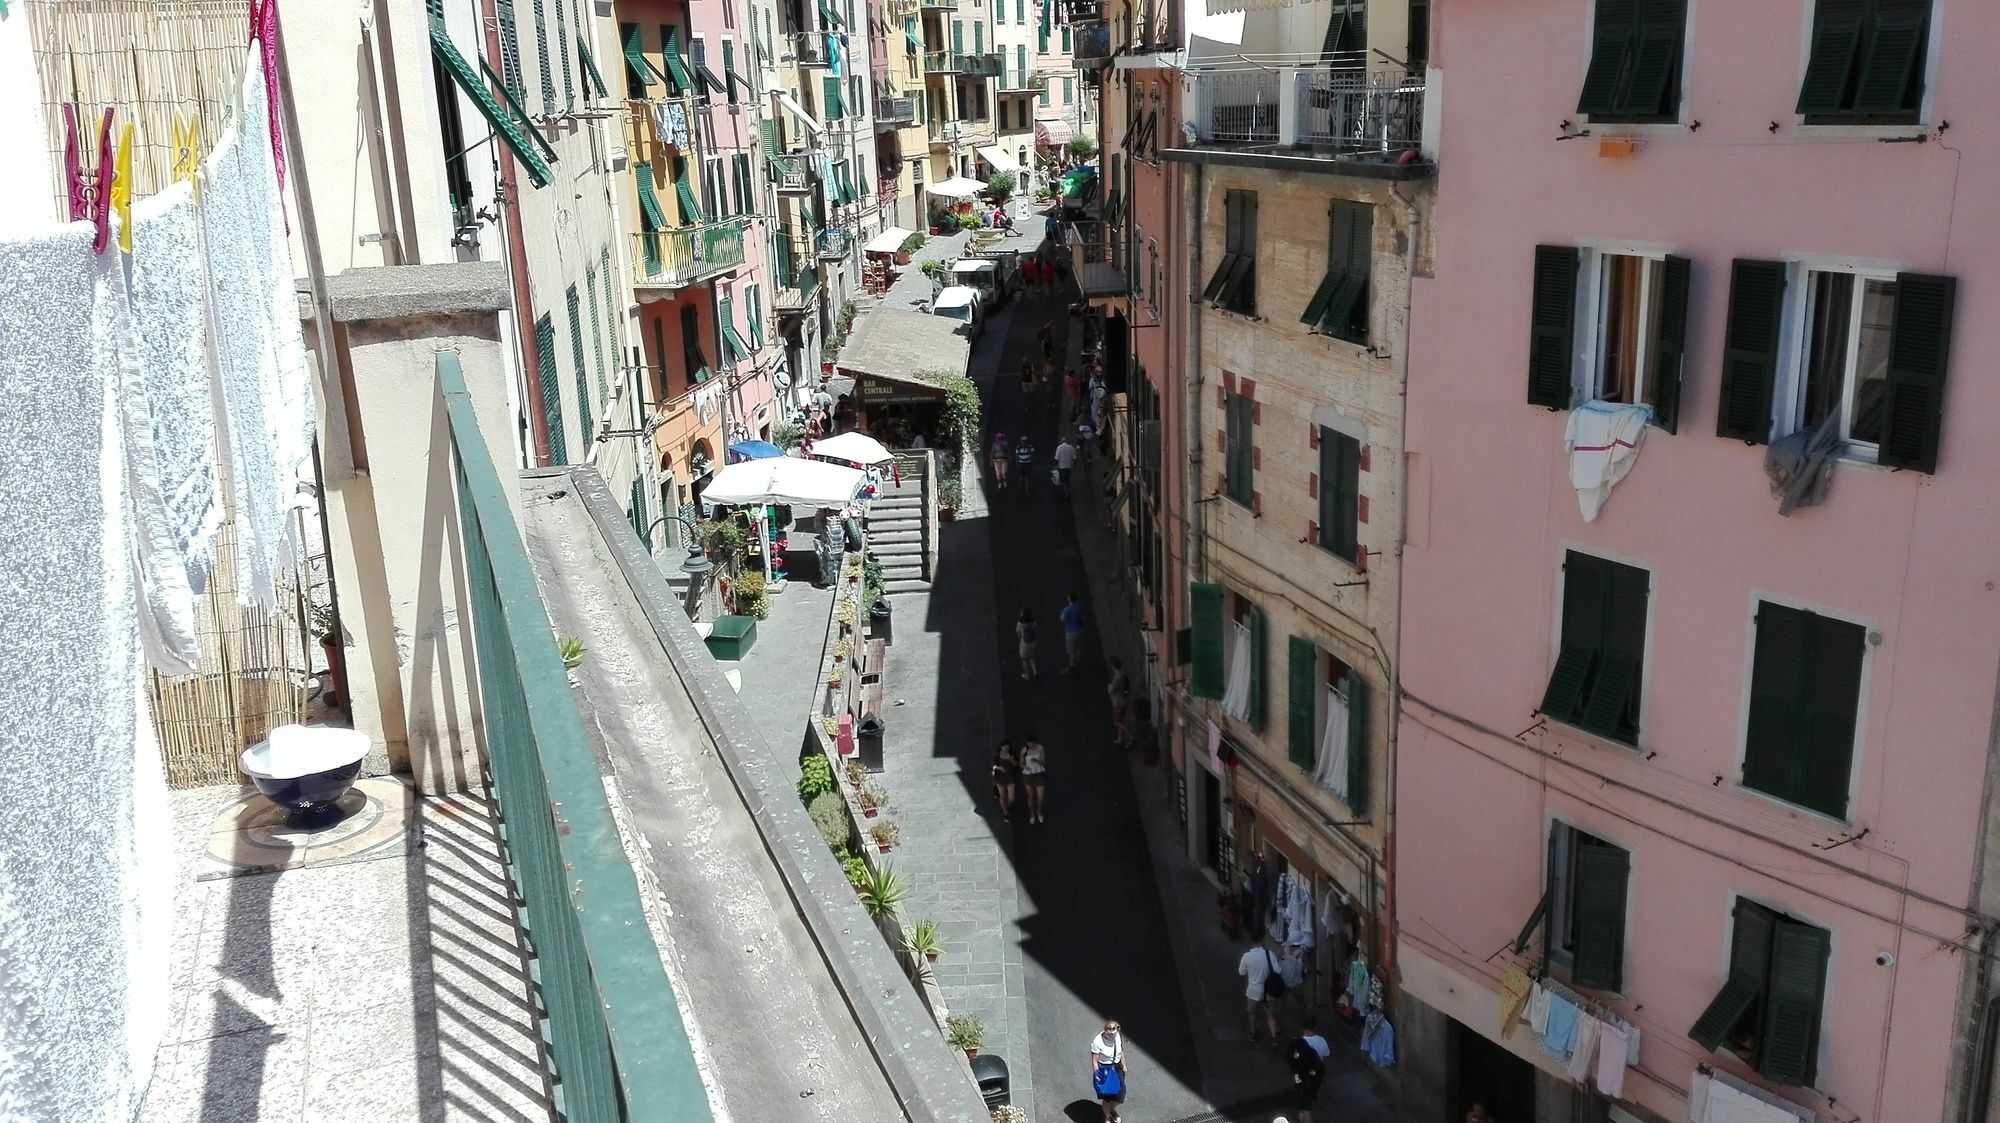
932 956
869 812
882 847
971 1053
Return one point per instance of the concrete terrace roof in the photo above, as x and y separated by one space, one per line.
896 343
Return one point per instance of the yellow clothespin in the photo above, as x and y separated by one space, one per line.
121 188
187 151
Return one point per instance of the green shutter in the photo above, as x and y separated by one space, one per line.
654 215
510 49
1656 56
641 520
756 313
1793 1008
1919 351
469 81
1750 350
684 191
830 98
1824 764
1065 38
958 37
1584 593
594 77
770 130
1357 743
1334 302
562 35
551 388
1749 961
978 38
1836 40
1893 58
1777 678
1301 698
1340 494
1620 653
638 72
1253 626
542 52
1597 922
828 17
1020 11
1552 330
585 424
1220 280
1205 617
596 333
679 79
1670 342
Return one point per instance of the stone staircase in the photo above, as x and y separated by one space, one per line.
896 532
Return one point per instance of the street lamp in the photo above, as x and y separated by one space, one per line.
697 562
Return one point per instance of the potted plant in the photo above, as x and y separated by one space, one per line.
949 494
965 1032
871 799
924 941
855 869
881 891
886 836
1010 1113
571 649
829 725
856 775
325 624
845 614
909 246
1000 186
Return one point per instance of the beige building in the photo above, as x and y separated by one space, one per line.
902 146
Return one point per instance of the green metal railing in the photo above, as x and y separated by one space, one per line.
616 1044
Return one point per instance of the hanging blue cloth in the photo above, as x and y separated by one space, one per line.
1378 1040
751 450
1560 1038
833 52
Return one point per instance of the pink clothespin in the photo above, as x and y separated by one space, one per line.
264 33
89 189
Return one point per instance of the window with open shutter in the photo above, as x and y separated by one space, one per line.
593 78
542 52
1867 62
550 385
1770 1008
510 131
510 50
684 191
1234 283
1253 626
1805 694
1339 307
639 72
1302 686
1599 661
562 42
1635 61
1339 494
1552 330
1734 1009
1205 639
1670 343
679 79
1597 915
1355 689
1919 350
586 426
1750 350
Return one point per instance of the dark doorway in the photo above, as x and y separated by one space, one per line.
1491 1075
1211 819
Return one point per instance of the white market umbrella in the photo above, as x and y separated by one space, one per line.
784 479
855 448
957 187
888 241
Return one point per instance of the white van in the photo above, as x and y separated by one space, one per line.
980 275
961 303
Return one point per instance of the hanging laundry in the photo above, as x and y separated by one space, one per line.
1357 981
1561 1035
1602 441
1514 990
1537 1013
1378 1039
1330 766
1611 1059
670 122
1582 1051
266 402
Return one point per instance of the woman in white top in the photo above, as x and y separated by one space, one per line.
1034 776
1107 1069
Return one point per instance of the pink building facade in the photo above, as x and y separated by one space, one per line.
1720 773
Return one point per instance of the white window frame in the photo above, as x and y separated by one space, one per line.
1789 389
714 189
1587 360
1855 761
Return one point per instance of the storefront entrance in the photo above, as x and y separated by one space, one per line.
1490 1075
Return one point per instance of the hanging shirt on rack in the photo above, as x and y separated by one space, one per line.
1611 1059
1357 981
1537 1012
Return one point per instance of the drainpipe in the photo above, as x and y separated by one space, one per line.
1402 539
1197 448
516 257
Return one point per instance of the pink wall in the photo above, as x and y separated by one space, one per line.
1912 556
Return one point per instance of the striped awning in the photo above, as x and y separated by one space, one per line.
1226 7
1053 132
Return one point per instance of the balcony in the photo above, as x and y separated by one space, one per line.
807 49
665 260
938 5
980 66
1094 260
833 243
795 295
1327 112
1090 42
1014 81
791 174
895 112
941 62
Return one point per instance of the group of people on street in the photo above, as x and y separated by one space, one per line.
1021 765
1026 638
1269 978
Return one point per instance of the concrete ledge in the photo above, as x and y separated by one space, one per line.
928 1079
393 292
1303 160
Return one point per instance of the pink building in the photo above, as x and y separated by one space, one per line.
1721 774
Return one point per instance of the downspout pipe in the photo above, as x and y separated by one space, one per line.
516 257
1389 965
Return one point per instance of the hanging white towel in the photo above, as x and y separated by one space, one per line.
1538 1009
266 401
1330 767
1236 690
85 1013
1583 1050
1602 441
1611 1059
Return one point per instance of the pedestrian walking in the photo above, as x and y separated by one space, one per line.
1308 1067
1065 460
1119 691
1034 777
1027 377
1024 462
1072 622
1107 1069
1086 436
1259 967
1048 339
1004 768
1024 635
999 454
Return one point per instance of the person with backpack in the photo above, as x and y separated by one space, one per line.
1308 1064
1260 968
1024 635
1107 1069
999 452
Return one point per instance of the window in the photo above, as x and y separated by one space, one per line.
585 425
562 37
691 214
1205 640
679 80
542 49
979 37
729 77
1340 305
1805 695
596 333
1065 38
1862 351
1069 91
746 191
1867 62
1234 284
1419 50
1327 722
707 84
1769 1009
830 98
1153 272
692 359
1601 654
1586 933
1633 315
714 192
753 309
1635 61
1243 655
1339 495
1237 461
1044 97
734 350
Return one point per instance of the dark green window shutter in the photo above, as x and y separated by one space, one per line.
957 37
1749 965
1805 687
1750 350
641 517
1612 39
1205 618
1777 673
755 312
1343 292
542 52
1612 703
1239 463
638 72
1584 583
510 49
1357 743
978 37
593 78
596 332
562 37
1836 41
830 98
770 130
1253 626
1792 1012
1301 698
1919 350
1656 59
684 190
585 424
679 79
1670 344
551 388
652 215
1597 922
1553 328
1893 58
1339 494
503 123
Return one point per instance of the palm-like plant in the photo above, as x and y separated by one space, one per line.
881 891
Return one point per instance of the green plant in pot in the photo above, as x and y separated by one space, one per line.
881 892
870 798
965 1032
815 778
886 836
950 492
1001 185
924 940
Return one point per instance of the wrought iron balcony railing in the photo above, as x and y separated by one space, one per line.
687 255
941 62
833 242
790 173
895 111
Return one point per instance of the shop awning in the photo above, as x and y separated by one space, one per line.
791 105
957 187
752 450
1052 132
854 448
783 479
997 156
888 241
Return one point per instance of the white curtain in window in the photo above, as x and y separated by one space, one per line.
1330 767
1236 688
